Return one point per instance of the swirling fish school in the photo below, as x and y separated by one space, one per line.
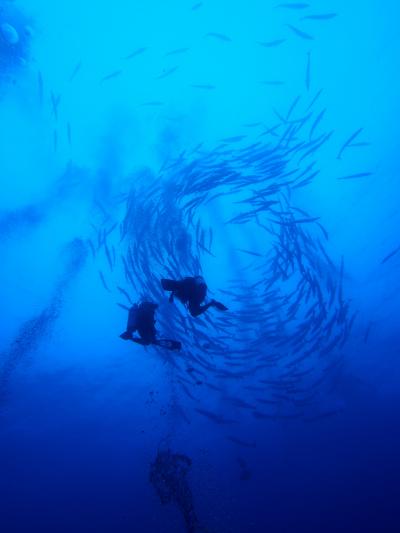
289 319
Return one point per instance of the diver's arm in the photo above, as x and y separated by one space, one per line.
196 310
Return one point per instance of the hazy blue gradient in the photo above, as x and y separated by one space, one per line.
82 414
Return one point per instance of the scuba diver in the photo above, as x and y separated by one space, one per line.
141 319
191 291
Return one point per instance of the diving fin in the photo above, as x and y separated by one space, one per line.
220 306
169 344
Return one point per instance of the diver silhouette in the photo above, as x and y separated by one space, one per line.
141 319
191 291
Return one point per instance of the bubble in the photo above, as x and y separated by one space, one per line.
29 31
9 33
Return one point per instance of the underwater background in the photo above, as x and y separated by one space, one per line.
253 143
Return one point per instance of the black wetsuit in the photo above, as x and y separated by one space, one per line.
141 319
191 291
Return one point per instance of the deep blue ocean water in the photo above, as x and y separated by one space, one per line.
253 143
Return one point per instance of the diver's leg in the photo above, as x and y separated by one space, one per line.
131 325
196 310
147 332
219 305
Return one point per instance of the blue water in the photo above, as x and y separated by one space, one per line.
254 143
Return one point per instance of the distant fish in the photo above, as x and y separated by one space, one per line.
69 133
292 107
248 252
112 75
293 6
348 142
314 99
92 248
392 254
316 122
136 52
125 293
219 36
197 6
308 71
270 44
203 86
176 51
326 235
55 100
300 33
187 391
103 281
40 87
235 139
272 131
113 227
210 238
215 418
368 328
359 145
108 255
167 72
281 118
295 221
76 70
356 176
326 16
